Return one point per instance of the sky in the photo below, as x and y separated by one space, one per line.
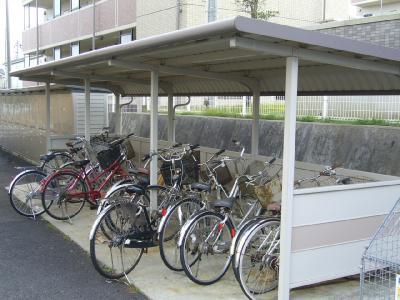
16 13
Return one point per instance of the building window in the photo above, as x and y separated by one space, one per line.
57 8
75 49
126 36
212 10
57 53
75 4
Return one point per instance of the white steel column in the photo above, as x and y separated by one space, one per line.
288 176
48 115
118 125
87 109
171 119
153 137
256 122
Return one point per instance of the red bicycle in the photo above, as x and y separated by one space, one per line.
65 192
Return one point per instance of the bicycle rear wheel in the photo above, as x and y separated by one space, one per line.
257 266
170 231
64 195
59 160
109 245
25 194
207 241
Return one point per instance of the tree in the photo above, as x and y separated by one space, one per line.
255 9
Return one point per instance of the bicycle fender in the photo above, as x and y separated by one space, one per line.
116 187
246 235
189 222
20 175
169 210
97 221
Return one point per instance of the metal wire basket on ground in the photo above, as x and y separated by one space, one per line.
381 260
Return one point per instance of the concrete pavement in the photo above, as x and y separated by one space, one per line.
39 262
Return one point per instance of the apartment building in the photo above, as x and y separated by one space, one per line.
59 28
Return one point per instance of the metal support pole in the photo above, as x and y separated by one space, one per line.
171 119
37 33
118 124
87 109
94 26
256 122
48 115
289 143
153 137
8 47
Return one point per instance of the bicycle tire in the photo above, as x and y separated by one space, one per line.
113 240
163 239
58 185
26 182
228 230
243 252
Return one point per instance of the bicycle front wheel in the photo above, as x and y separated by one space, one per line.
204 251
170 231
64 195
258 262
25 193
109 245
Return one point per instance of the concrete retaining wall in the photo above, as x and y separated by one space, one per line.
366 148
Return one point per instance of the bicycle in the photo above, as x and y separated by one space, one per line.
24 190
177 215
209 234
125 228
65 192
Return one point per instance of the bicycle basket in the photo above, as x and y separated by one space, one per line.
268 192
223 175
129 151
107 157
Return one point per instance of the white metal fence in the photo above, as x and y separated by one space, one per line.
385 108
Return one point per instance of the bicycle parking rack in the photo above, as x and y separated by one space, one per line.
380 267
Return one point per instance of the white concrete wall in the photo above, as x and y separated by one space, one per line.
155 17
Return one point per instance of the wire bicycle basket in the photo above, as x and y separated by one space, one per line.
380 264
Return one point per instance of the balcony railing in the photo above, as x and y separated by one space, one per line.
363 3
76 25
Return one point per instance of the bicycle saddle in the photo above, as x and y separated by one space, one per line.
201 187
80 163
47 157
226 202
134 189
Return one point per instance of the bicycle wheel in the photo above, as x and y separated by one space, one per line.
258 261
64 195
25 195
206 242
109 245
59 160
170 229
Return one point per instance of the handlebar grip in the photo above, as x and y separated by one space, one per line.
192 147
220 152
272 160
146 157
129 135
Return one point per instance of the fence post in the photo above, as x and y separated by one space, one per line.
244 106
325 108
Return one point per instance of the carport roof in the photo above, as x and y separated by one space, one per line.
235 56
